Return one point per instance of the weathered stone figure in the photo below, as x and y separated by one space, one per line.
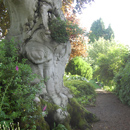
52 7
29 26
47 58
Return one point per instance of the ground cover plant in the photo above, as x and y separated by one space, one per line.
81 88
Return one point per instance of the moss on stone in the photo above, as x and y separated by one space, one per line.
80 117
42 124
67 123
40 121
51 109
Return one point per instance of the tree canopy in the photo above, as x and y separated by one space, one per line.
99 46
98 30
106 58
78 45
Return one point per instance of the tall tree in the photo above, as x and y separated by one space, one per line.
100 46
98 30
109 33
106 58
78 43
108 65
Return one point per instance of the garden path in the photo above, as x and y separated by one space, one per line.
112 113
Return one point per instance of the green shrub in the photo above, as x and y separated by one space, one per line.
83 91
109 88
74 77
78 66
16 93
109 64
122 80
62 30
58 30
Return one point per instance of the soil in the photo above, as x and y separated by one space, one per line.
112 113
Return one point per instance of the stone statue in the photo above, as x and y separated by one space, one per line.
29 27
50 8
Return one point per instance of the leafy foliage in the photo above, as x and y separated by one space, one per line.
78 42
59 127
109 64
16 93
74 77
61 30
78 66
100 46
98 30
106 57
83 91
109 88
122 80
109 33
58 31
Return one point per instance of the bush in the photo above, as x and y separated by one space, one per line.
78 66
109 64
58 31
59 127
83 91
122 80
16 93
74 77
62 30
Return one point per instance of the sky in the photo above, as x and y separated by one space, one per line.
113 12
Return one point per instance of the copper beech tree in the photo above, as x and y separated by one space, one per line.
78 45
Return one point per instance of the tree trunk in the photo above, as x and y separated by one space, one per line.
29 26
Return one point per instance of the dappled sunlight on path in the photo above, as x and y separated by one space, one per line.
112 113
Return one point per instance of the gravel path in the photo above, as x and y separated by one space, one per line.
112 113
